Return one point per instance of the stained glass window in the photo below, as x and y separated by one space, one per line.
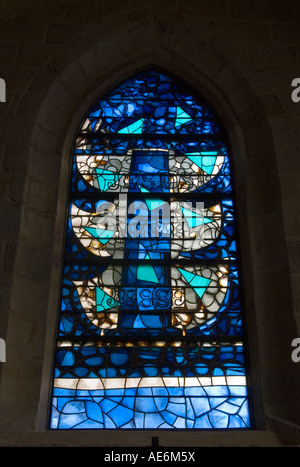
150 331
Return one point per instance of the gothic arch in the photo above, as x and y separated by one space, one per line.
52 134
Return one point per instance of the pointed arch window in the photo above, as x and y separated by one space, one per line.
150 331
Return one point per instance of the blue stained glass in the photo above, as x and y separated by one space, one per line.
147 301
201 412
68 359
135 127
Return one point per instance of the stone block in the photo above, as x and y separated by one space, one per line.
23 31
39 197
293 248
33 263
16 188
16 128
38 229
8 53
34 55
33 304
286 33
75 79
10 220
246 32
60 33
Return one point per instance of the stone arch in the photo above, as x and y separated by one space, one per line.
264 254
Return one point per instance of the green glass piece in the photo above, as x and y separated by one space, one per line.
102 235
199 283
104 301
136 127
181 117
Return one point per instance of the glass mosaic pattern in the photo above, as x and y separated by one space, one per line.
150 331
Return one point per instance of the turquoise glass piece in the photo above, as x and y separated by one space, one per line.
205 160
102 235
181 117
106 178
194 219
135 127
147 273
104 301
198 283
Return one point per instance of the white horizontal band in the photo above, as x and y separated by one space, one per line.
91 384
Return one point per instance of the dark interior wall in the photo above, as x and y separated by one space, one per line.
56 58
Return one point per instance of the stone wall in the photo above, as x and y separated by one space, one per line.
56 58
